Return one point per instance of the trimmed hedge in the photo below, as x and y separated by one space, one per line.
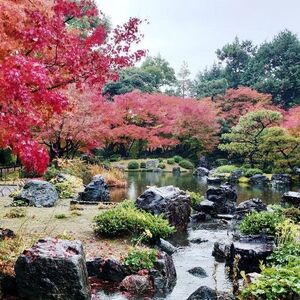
186 164
133 165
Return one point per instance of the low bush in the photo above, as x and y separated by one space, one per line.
16 212
115 158
143 165
140 259
51 172
171 161
161 165
252 172
160 160
274 283
226 169
66 185
186 164
177 158
261 222
60 216
221 162
196 198
126 219
284 255
133 165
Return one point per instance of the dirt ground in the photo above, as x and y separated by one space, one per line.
41 222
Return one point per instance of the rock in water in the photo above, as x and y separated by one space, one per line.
259 179
282 179
201 172
38 193
53 269
96 191
223 197
247 207
137 284
163 274
291 198
174 203
152 164
166 246
198 272
206 293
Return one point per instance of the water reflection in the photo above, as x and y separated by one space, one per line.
139 181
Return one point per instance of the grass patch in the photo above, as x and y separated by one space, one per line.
60 216
16 212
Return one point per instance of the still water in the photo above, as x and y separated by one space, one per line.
139 181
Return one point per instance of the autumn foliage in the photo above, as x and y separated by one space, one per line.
41 54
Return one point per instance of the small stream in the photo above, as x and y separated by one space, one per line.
190 255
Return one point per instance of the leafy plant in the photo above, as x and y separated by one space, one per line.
260 222
196 198
126 219
133 165
274 283
51 172
177 158
253 171
137 259
161 165
226 169
143 165
16 212
171 161
60 216
284 254
186 164
114 158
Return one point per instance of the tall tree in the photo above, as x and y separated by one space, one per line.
246 137
184 82
236 56
40 54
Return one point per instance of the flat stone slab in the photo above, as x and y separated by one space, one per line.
291 198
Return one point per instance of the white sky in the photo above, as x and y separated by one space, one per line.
192 30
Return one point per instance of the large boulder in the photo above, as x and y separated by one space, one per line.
247 207
206 293
214 180
251 250
291 198
235 175
201 172
106 269
259 179
204 163
38 193
96 191
223 197
174 203
163 274
137 284
53 269
281 179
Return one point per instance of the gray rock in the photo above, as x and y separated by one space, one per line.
291 198
259 179
219 251
282 179
198 272
235 175
53 269
206 293
137 284
96 191
166 246
247 207
38 193
6 234
252 250
198 241
176 170
224 199
206 207
199 217
163 274
204 163
174 203
152 164
201 172
106 269
214 180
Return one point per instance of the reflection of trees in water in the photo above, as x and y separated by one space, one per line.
139 181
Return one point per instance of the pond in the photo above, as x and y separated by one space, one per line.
139 181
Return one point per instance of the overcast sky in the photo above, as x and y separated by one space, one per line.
192 30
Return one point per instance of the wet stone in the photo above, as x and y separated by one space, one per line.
198 272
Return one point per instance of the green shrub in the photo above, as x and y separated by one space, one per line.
274 283
177 158
196 198
261 222
64 190
137 260
252 172
16 212
226 169
114 158
221 162
284 254
186 164
133 165
161 165
60 216
126 219
51 172
171 161
292 213
143 165
160 160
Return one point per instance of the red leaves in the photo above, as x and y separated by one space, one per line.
40 55
292 121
